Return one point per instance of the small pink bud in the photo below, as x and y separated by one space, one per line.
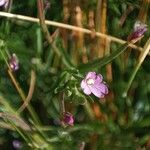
139 30
17 144
14 62
68 119
47 4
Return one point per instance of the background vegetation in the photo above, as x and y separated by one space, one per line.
53 59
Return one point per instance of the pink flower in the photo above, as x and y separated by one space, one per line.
139 30
93 83
47 4
4 3
14 63
68 119
17 144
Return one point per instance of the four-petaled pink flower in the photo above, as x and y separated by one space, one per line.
14 62
93 83
68 119
139 30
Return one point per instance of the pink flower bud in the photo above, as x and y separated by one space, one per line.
14 63
47 5
68 119
139 30
17 144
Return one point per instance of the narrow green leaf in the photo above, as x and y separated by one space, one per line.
103 61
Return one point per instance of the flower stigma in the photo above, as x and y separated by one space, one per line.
90 81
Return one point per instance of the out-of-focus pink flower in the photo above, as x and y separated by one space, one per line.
47 5
17 144
139 30
4 3
93 83
14 62
68 119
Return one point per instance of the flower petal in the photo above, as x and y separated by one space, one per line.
104 88
91 75
96 91
139 30
139 25
99 90
2 2
99 78
85 87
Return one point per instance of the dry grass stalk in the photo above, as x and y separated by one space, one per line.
103 28
91 25
66 14
69 27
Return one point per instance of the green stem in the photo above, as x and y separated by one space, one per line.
18 130
22 95
142 57
4 57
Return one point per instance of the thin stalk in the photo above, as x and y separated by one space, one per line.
22 95
62 108
30 93
5 59
109 75
16 84
89 110
39 42
61 104
139 63
91 24
26 136
21 134
43 135
101 26
69 27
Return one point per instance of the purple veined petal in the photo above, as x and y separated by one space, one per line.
96 91
99 90
16 67
83 84
139 30
137 34
99 78
104 88
85 87
139 25
91 75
